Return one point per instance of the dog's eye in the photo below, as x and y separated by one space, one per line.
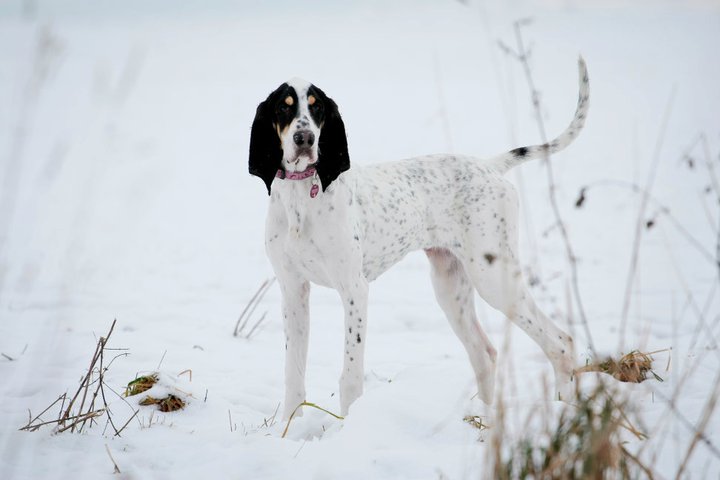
284 107
316 106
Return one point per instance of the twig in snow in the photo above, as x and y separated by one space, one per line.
257 324
31 419
251 306
117 433
71 418
231 422
268 422
161 360
117 469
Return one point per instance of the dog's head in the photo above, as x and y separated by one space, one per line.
295 128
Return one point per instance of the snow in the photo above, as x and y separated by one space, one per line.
124 194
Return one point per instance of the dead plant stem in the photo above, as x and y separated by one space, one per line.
522 56
702 425
117 469
640 220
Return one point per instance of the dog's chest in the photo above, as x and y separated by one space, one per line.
314 236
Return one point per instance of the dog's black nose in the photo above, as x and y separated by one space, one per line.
304 138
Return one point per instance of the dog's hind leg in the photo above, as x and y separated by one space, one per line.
499 281
455 294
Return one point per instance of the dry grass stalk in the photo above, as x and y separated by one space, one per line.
585 443
522 56
244 318
640 224
116 469
701 425
84 406
633 367
307 404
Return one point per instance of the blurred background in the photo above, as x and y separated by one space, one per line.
124 190
124 126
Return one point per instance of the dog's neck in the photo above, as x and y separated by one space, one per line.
297 194
294 196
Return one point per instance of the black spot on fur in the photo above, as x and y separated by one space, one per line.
490 258
520 152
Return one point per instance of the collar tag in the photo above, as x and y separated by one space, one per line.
315 187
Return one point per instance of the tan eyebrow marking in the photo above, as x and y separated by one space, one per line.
311 99
289 100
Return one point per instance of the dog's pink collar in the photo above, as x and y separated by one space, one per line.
307 173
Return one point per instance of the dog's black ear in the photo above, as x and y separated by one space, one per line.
333 156
265 150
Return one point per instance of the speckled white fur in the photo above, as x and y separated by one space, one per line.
459 209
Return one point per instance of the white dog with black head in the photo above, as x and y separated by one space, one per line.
341 228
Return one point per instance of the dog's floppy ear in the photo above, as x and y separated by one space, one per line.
333 156
265 151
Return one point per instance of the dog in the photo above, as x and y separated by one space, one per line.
341 228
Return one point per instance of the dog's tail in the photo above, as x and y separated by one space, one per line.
508 160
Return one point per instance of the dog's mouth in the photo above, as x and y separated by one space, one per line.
302 160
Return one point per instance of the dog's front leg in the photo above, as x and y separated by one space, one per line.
354 295
296 320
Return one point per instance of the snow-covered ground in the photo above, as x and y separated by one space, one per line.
124 194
